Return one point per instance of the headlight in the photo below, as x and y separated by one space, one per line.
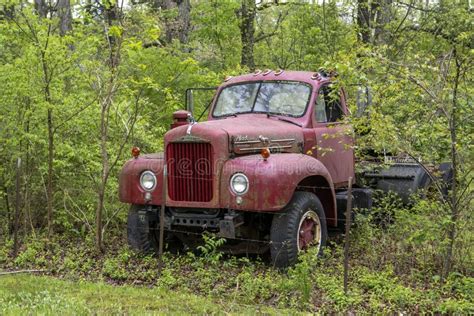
239 183
148 181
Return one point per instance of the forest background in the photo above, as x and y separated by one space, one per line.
81 82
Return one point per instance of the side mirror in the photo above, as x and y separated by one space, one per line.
364 100
201 100
189 100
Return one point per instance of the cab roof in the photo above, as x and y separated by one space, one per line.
276 75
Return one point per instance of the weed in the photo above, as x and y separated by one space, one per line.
210 250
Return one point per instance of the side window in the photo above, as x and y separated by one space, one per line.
320 108
328 106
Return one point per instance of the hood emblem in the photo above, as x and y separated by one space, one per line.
192 121
241 138
265 140
190 127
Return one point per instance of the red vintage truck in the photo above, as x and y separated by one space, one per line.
268 170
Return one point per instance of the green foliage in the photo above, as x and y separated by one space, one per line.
70 75
310 37
5 251
411 240
217 39
210 249
42 302
33 255
116 267
421 80
49 296
315 284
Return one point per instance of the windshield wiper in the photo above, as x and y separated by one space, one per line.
289 121
227 115
283 119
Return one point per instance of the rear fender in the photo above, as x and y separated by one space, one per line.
272 182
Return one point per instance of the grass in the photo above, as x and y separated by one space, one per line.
29 294
393 270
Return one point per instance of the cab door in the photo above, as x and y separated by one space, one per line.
334 140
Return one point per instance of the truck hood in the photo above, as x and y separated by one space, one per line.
243 134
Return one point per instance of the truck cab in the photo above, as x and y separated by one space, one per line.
264 171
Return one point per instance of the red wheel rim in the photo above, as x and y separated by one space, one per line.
309 231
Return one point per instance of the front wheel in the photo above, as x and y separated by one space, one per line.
141 232
301 225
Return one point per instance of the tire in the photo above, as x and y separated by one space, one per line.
140 237
286 240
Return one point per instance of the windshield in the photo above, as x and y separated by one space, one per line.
281 97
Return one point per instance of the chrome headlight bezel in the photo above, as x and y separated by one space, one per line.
238 177
148 173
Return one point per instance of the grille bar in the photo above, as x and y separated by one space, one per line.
190 171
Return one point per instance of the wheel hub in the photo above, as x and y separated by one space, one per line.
309 232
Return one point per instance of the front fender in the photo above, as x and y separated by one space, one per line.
130 190
272 182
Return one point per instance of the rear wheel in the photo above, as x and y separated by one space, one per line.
301 225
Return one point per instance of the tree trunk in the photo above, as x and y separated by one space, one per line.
184 20
248 12
17 208
111 16
27 172
7 206
98 218
383 15
49 189
452 229
41 8
65 16
104 175
179 27
363 20
49 185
